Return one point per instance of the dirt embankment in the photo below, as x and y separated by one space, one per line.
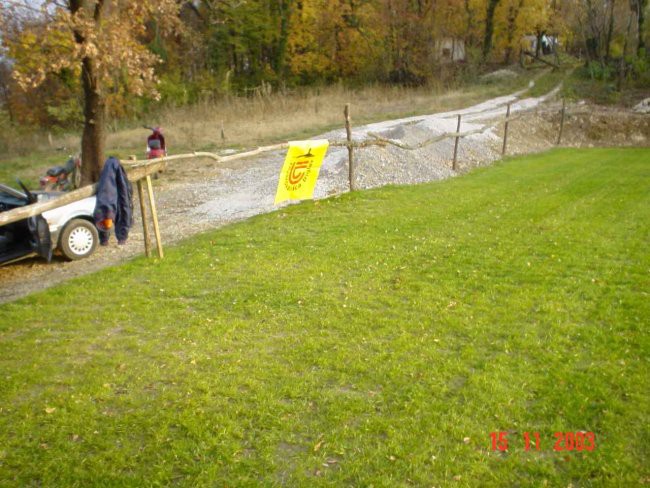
199 195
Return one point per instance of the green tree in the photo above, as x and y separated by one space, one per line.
489 27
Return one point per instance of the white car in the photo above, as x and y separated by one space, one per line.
69 228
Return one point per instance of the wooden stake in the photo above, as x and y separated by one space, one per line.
145 226
559 135
505 132
348 130
456 143
156 228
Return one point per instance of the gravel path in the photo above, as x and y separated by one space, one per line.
203 195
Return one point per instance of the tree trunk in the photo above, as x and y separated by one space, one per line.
538 44
489 28
281 48
623 64
511 23
469 35
610 32
640 26
513 13
92 140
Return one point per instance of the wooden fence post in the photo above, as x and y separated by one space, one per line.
559 135
145 226
456 144
505 132
348 131
156 228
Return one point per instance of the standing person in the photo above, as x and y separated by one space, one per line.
156 144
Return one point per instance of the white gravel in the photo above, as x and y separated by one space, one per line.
201 195
250 190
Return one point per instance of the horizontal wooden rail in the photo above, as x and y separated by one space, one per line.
146 163
136 170
38 208
134 174
135 163
427 142
358 144
254 152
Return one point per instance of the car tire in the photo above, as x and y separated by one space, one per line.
79 239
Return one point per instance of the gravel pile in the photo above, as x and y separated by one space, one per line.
499 75
200 195
642 107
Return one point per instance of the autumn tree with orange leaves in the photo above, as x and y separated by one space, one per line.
102 42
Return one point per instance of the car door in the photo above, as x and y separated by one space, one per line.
41 242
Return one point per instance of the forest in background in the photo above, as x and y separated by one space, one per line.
243 47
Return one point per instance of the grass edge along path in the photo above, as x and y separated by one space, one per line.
373 339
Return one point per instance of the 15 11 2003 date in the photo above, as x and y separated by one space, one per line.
563 441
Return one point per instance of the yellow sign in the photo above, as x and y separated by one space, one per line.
300 171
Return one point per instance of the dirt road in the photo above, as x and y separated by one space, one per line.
193 197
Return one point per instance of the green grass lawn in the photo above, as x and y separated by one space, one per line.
375 339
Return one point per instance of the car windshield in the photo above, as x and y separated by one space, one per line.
9 201
16 194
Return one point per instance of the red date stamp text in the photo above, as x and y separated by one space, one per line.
532 441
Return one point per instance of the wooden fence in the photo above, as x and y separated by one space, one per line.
139 172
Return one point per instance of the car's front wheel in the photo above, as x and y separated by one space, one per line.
79 239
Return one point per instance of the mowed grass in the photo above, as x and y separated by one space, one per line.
374 339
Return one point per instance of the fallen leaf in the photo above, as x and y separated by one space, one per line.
49 410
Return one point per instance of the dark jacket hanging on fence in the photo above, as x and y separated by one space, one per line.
114 201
